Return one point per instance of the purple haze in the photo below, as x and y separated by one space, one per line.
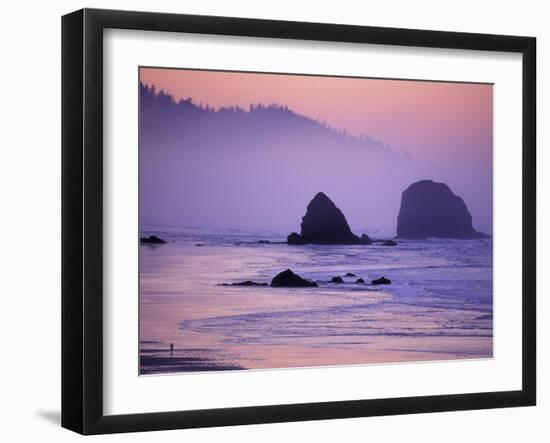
257 169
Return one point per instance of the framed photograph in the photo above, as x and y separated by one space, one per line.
268 221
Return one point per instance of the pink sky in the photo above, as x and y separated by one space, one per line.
433 121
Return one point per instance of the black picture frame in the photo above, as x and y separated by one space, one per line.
82 218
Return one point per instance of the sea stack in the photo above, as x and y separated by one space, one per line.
323 223
430 209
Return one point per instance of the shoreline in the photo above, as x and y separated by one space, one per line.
438 307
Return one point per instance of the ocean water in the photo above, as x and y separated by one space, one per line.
438 307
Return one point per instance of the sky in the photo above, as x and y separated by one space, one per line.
446 129
430 120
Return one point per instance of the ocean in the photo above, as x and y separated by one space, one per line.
439 305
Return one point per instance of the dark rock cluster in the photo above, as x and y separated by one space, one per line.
381 281
245 283
152 240
287 279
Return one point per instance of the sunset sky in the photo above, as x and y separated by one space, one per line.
446 128
430 120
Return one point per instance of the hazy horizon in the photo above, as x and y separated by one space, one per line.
205 163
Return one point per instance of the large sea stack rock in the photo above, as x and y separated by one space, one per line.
430 209
324 223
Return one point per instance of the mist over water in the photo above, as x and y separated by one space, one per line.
259 168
